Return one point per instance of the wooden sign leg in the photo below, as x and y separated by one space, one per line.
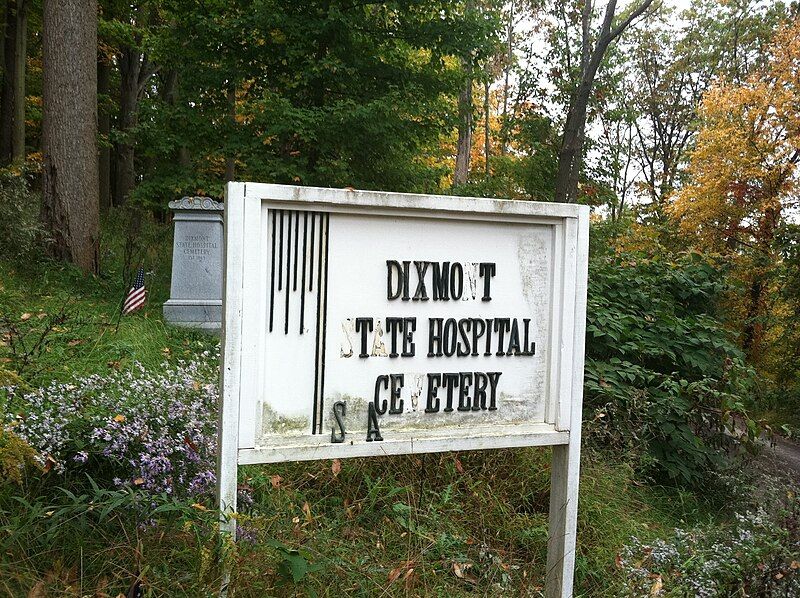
563 520
228 425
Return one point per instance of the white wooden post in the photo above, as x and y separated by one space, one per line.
230 368
565 468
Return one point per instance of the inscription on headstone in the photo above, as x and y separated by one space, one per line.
197 257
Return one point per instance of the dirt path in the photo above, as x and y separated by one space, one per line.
782 456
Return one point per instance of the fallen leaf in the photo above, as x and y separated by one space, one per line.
275 480
138 481
119 418
395 573
795 565
166 350
406 566
336 467
779 575
655 589
460 570
48 463
114 365
195 385
188 442
199 507
74 342
38 590
307 511
26 316
41 315
618 561
459 467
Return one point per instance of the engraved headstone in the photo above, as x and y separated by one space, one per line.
197 257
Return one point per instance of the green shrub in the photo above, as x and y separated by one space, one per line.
17 457
21 233
664 378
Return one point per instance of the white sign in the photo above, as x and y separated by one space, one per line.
362 324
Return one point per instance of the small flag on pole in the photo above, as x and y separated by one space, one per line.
136 295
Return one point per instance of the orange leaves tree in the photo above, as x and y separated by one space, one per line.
743 175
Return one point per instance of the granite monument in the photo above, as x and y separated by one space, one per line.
197 257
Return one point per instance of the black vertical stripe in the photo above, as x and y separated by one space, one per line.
311 265
288 269
272 276
303 279
324 326
280 253
296 239
318 368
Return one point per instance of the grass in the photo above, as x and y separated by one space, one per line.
437 525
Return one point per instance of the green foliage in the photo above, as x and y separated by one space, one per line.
326 93
16 457
662 375
21 233
530 175
111 540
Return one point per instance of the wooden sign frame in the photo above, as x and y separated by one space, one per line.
561 429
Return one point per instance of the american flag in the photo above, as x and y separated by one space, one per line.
136 295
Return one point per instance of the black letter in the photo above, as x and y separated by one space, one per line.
464 380
432 403
463 343
409 326
449 338
380 408
478 328
513 341
487 270
390 294
456 267
434 337
421 294
481 382
528 349
493 379
397 384
339 410
441 278
365 324
373 431
500 326
393 325
450 381
405 280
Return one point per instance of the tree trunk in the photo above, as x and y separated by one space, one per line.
171 96
486 144
104 128
464 134
506 73
12 139
570 157
753 327
230 159
69 130
130 66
